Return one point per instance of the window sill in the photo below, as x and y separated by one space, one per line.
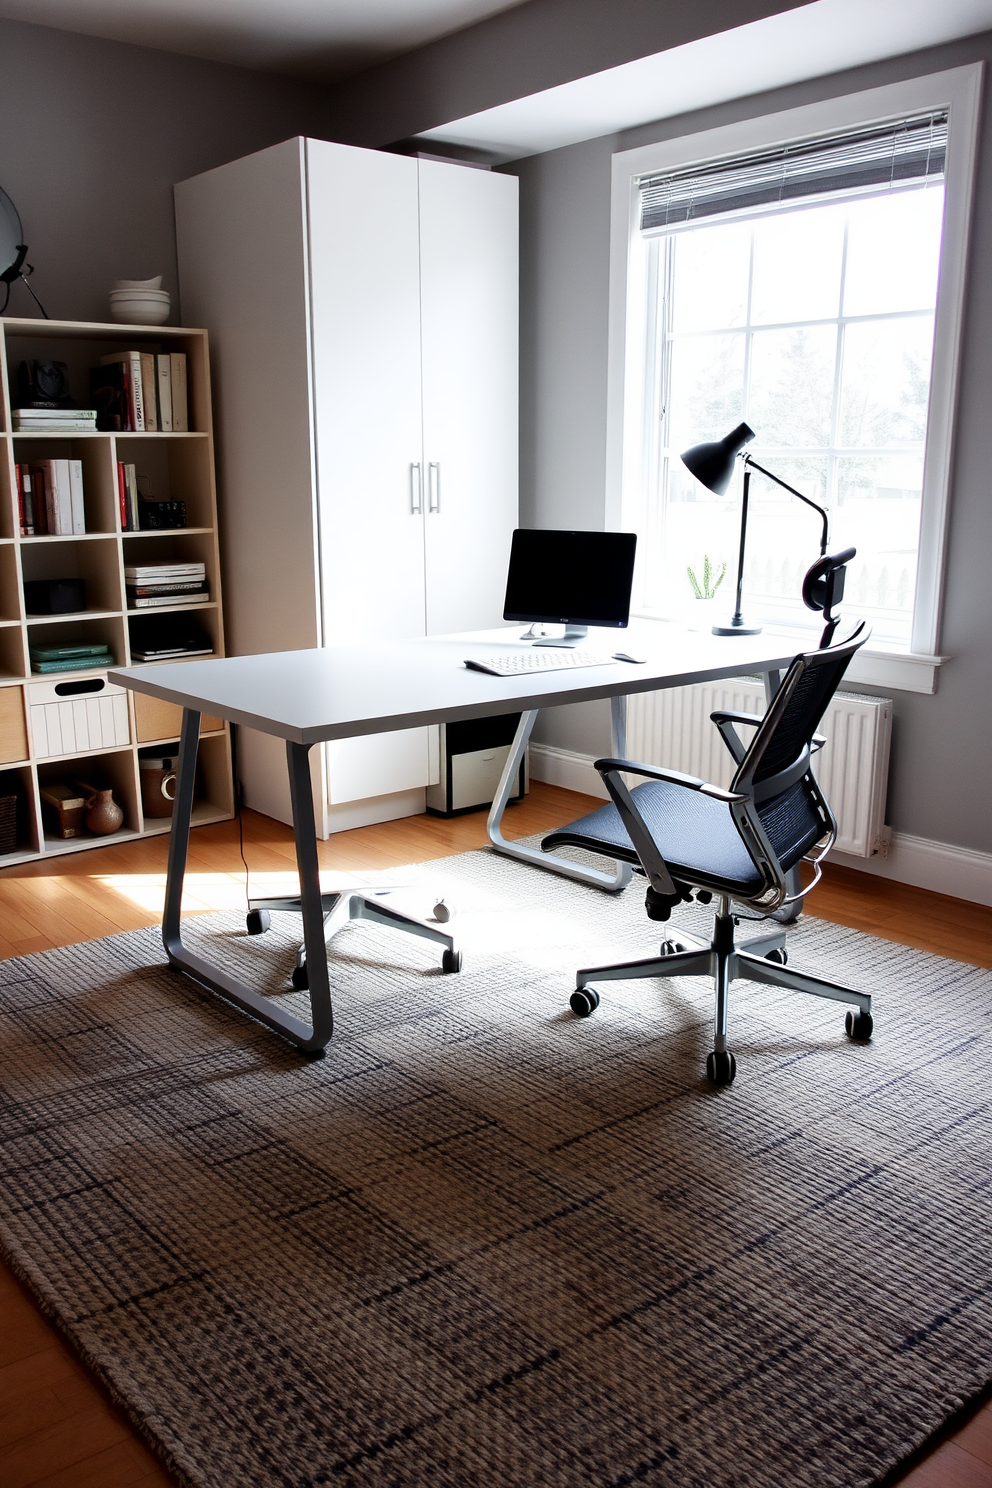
873 666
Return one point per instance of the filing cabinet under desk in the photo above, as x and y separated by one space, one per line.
473 753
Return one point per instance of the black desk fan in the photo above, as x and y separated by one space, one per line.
13 253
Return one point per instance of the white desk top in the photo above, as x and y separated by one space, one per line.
343 691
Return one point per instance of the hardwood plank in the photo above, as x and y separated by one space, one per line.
976 1437
61 1445
127 1464
950 1467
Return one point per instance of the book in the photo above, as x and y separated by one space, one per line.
77 664
138 572
131 362
149 391
63 808
131 486
155 601
108 386
163 364
46 482
168 586
180 412
39 500
76 496
62 653
25 501
121 495
57 480
53 420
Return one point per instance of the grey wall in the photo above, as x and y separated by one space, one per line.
522 51
941 744
92 136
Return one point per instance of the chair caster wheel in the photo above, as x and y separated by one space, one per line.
442 913
300 977
258 921
721 1067
451 961
780 956
583 1001
859 1026
672 947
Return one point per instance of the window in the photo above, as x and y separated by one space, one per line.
795 285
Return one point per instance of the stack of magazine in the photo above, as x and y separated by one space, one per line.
153 585
54 420
81 658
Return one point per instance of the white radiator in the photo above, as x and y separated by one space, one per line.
673 728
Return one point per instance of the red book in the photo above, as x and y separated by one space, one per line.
25 503
122 495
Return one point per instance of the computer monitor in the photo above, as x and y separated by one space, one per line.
575 579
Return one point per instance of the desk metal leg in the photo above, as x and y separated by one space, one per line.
614 882
312 1039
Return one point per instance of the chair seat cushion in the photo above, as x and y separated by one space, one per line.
696 834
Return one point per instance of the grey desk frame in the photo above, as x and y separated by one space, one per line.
313 696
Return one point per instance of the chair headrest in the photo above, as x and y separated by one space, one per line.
823 585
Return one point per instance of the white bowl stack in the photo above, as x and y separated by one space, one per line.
140 301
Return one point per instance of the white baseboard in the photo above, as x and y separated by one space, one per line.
564 767
938 866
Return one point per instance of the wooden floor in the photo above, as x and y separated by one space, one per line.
57 1428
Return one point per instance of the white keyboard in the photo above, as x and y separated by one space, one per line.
541 659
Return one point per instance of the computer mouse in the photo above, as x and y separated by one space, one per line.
626 656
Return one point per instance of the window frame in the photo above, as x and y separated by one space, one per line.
959 90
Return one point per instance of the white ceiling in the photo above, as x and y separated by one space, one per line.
324 38
810 41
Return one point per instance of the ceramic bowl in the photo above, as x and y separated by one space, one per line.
140 306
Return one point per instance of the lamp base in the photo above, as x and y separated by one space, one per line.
732 629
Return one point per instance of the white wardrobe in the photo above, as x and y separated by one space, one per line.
362 310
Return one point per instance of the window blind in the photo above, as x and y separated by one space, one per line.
909 150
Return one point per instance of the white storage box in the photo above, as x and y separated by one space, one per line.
72 717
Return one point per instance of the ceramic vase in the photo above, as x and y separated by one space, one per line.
103 815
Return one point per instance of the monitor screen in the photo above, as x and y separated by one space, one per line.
571 578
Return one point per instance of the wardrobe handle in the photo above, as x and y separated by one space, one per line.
434 486
416 489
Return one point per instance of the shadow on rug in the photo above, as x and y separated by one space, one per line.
485 1243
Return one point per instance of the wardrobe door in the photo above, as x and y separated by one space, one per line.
364 289
469 266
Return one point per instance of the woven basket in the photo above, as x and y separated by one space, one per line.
8 822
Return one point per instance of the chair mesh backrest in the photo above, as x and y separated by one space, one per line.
803 712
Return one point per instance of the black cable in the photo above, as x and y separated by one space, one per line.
24 280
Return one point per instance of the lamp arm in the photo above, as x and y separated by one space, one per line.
750 460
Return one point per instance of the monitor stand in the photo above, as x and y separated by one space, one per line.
573 635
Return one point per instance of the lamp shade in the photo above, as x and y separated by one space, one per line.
713 463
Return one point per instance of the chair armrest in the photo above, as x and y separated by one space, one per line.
725 721
671 777
728 715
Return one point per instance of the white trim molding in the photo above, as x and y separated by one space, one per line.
958 89
941 867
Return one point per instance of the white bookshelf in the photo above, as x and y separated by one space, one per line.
180 467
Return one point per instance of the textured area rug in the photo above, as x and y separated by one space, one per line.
485 1243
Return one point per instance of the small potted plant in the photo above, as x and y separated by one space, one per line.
699 613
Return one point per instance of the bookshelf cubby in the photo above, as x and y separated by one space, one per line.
171 467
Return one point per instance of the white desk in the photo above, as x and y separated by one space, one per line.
307 697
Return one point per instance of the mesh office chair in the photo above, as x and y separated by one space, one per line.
739 844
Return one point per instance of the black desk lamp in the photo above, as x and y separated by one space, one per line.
713 465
